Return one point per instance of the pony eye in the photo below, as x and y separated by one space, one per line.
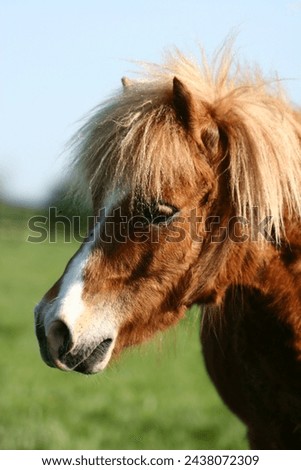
158 213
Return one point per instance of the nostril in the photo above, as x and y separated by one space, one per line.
59 339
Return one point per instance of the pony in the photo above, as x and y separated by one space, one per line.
194 172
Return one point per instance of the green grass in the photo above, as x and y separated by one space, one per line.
156 397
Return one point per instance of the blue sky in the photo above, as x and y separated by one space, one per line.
59 58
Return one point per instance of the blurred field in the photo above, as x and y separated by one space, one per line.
155 397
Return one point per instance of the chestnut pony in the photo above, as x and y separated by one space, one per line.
194 172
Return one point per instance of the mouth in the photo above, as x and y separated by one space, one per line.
88 363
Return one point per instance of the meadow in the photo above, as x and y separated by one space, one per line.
157 396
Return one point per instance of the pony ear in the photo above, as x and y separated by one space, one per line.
195 117
184 104
126 82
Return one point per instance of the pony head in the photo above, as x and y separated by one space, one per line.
174 163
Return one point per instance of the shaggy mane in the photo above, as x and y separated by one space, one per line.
134 139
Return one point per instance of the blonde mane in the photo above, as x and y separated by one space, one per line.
135 140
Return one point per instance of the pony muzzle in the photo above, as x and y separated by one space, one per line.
60 350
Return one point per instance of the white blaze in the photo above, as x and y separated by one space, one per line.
69 304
